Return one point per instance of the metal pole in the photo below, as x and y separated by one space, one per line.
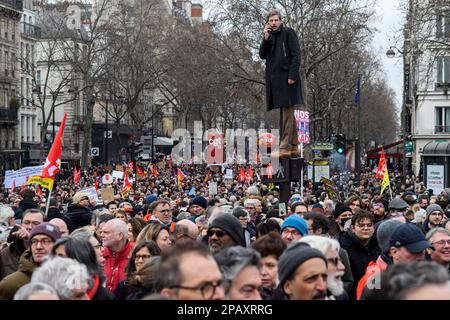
301 172
105 148
153 134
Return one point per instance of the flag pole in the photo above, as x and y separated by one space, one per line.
301 172
48 202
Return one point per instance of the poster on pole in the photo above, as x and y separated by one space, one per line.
92 193
435 178
117 174
321 172
229 174
302 123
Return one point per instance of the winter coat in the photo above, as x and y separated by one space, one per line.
359 255
115 263
13 282
374 267
282 55
79 215
55 213
23 206
9 260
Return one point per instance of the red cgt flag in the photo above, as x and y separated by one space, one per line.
53 162
241 176
381 165
38 191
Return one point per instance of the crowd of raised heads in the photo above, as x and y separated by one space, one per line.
167 240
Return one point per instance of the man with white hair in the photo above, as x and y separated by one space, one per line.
36 291
117 251
6 222
330 248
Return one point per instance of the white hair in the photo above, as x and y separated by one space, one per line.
33 288
252 202
64 275
120 226
323 244
6 212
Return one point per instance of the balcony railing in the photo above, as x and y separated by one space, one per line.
10 114
16 4
31 30
442 129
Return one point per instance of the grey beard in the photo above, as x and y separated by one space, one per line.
335 286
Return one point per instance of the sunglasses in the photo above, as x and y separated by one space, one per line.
218 233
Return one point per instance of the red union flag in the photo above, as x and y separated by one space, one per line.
381 165
53 162
215 148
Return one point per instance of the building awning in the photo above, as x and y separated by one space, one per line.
163 141
437 148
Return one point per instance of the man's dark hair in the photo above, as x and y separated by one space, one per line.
110 203
27 194
169 270
154 204
212 202
361 215
104 218
54 203
267 226
352 199
410 199
298 203
319 221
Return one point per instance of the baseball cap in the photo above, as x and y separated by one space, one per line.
409 236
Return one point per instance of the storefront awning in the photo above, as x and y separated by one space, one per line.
437 148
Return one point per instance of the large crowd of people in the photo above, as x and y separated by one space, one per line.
171 239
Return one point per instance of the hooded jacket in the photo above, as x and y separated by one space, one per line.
13 282
115 263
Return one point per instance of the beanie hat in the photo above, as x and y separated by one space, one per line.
231 225
150 198
384 233
47 229
317 208
294 256
433 207
200 201
340 209
296 222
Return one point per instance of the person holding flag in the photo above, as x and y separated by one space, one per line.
180 177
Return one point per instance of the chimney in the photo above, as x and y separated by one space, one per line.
197 13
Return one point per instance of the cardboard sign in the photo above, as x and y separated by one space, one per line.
107 194
92 193
107 179
119 168
117 174
229 174
213 188
109 168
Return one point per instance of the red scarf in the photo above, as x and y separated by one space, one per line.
93 290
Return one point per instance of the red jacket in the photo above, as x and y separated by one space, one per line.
115 263
374 267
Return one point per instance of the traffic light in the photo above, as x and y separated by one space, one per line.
409 146
340 143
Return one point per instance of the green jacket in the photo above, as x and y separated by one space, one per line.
10 284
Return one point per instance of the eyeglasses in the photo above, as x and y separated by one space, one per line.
442 242
143 257
218 233
335 261
207 289
44 242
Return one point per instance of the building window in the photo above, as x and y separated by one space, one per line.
443 25
443 70
442 124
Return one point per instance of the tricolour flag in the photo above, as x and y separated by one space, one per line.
180 177
76 175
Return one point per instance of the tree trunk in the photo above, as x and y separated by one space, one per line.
87 134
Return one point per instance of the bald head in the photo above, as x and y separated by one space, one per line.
185 230
61 225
